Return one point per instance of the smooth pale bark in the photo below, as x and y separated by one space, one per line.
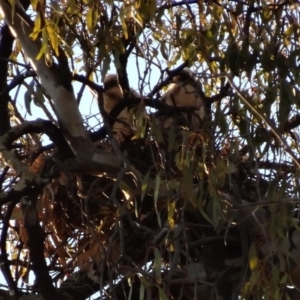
65 104
64 100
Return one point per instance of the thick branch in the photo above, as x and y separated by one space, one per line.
56 86
168 80
6 42
70 120
36 237
28 180
3 258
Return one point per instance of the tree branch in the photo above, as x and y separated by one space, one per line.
4 263
36 237
6 42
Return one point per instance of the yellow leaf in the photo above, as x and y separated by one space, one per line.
34 4
124 26
13 8
37 27
253 260
53 38
171 210
14 256
138 19
289 31
253 263
145 185
89 19
44 44
71 6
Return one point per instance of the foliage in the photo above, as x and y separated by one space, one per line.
168 213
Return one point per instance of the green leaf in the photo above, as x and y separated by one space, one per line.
145 185
163 50
129 280
286 99
233 59
38 98
144 281
172 139
28 96
162 294
156 131
270 97
251 61
223 125
142 292
178 160
187 186
156 192
105 65
157 266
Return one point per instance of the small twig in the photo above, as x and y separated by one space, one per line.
27 66
165 82
268 122
177 3
105 258
17 80
2 176
264 203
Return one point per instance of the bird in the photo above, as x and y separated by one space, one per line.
185 91
113 94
